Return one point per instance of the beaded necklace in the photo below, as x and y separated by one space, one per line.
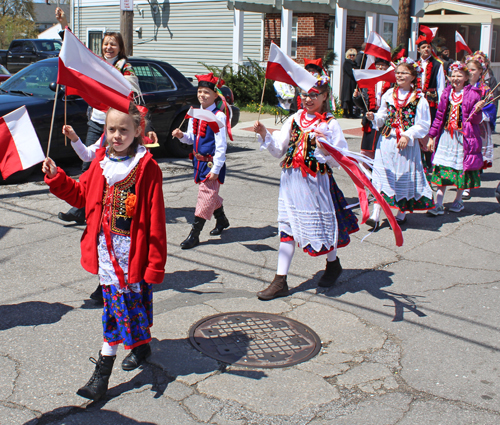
117 159
453 121
399 108
304 122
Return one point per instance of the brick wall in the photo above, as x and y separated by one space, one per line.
355 38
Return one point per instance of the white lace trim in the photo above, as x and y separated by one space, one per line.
116 171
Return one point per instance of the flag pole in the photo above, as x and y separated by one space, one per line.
65 114
52 121
261 102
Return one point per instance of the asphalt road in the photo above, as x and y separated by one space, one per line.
410 335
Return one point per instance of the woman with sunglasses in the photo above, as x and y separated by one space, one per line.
306 212
348 84
403 118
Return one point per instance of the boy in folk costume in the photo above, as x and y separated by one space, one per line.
372 97
432 82
209 159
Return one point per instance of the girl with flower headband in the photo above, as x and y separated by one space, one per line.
402 119
125 240
476 66
457 159
209 158
311 208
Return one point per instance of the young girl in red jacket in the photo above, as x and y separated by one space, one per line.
125 239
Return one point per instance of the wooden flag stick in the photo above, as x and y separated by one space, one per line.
492 91
261 102
52 121
65 114
491 101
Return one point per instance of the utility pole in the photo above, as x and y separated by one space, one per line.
127 25
404 23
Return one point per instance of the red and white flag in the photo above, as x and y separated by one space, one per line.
378 47
282 68
370 62
100 84
461 44
213 121
19 145
367 78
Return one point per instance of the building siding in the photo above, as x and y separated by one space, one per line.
185 34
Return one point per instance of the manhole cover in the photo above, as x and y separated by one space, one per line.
254 339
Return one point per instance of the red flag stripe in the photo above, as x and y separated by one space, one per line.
378 52
276 72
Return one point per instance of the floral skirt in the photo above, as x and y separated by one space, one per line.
405 205
447 176
127 316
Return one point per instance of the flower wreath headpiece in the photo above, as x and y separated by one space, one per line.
322 79
479 56
409 61
458 66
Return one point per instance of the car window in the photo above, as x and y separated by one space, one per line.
146 78
163 81
28 46
16 46
34 79
3 70
48 45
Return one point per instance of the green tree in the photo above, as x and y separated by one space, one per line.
14 27
17 8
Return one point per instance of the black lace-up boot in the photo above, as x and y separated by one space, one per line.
98 383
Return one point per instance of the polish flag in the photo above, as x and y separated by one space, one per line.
282 68
377 46
461 44
367 78
100 84
19 145
370 62
213 121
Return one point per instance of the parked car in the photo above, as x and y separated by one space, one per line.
166 92
22 53
4 74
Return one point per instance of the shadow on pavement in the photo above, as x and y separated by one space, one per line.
31 313
181 280
241 234
86 416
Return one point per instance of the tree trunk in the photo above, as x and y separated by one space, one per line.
404 23
126 29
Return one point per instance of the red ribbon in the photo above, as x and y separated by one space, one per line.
361 181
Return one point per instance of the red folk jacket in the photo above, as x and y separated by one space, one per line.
148 244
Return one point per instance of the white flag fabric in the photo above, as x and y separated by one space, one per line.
378 47
19 145
213 121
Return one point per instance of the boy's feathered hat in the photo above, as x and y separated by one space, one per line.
426 37
210 81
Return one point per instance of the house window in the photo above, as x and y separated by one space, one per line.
388 26
94 39
493 56
295 25
388 32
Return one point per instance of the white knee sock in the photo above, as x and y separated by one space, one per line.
376 212
285 255
332 255
400 215
109 350
440 195
458 198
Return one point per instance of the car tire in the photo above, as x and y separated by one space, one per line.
173 146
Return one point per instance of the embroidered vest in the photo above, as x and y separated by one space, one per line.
302 145
408 113
115 197
450 118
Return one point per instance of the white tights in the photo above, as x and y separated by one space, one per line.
440 195
285 255
376 213
109 350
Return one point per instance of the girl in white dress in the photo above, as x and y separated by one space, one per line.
403 118
310 203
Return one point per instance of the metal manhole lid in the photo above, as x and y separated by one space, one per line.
255 339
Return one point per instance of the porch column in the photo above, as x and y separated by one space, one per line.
486 37
238 27
370 23
339 48
286 31
412 48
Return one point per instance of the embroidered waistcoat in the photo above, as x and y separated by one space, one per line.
408 113
458 118
115 197
302 145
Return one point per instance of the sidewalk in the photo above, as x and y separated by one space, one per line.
350 127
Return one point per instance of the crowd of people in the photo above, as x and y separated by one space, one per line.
427 128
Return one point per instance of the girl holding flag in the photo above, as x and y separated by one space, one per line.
458 158
306 211
402 119
209 158
125 239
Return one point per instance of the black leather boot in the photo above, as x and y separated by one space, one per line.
136 356
332 272
97 295
221 223
193 239
98 383
74 214
277 288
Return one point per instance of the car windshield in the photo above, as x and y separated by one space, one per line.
48 45
34 79
3 70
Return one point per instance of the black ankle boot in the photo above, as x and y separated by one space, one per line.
332 272
98 383
222 222
193 239
97 295
136 356
74 214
